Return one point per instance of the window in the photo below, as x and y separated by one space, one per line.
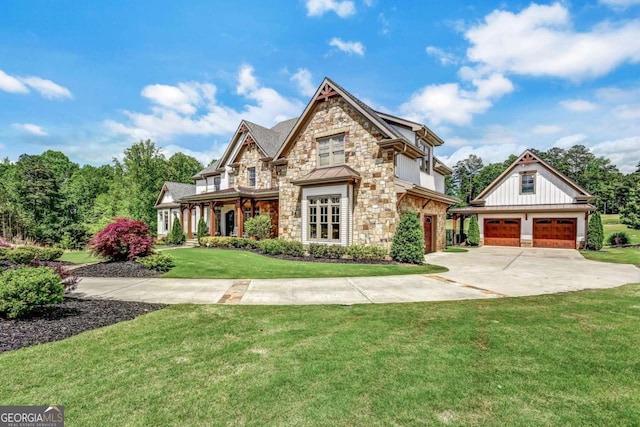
216 183
331 151
247 212
425 162
232 180
252 177
527 183
166 220
324 218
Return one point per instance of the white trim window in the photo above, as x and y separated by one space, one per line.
331 151
252 176
216 182
528 183
324 218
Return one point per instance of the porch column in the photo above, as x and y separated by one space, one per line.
201 210
189 227
454 219
239 206
212 219
253 208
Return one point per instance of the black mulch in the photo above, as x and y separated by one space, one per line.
115 269
70 317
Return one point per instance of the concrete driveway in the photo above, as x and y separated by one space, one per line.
487 272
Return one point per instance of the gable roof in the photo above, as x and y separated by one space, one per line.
329 88
177 190
526 158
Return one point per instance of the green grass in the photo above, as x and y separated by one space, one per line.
230 264
455 249
568 359
615 255
80 257
611 224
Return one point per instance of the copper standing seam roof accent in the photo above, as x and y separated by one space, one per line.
328 175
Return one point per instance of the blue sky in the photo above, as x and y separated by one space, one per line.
90 78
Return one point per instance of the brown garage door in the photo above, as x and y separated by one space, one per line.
502 232
554 233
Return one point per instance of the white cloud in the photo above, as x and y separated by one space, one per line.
191 108
11 84
303 79
627 112
319 7
624 152
47 88
442 56
385 24
450 103
347 47
546 129
570 140
578 105
488 153
30 128
540 41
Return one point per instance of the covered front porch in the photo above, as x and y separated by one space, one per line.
226 211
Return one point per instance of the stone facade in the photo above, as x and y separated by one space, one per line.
374 198
248 157
434 208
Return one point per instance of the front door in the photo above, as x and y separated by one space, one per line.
229 222
428 234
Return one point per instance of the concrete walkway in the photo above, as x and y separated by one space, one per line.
488 272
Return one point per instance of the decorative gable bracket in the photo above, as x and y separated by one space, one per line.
326 92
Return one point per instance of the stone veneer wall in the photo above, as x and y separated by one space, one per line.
433 208
249 157
374 210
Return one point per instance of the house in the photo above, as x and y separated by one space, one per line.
531 204
341 173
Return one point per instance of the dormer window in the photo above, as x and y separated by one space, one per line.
252 177
331 151
528 183
216 183
425 162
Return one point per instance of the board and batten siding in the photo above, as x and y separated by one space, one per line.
549 189
407 169
345 211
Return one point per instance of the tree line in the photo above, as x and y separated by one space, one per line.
614 191
51 200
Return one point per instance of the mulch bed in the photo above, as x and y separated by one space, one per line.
70 317
115 269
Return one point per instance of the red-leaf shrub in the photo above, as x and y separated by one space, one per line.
123 239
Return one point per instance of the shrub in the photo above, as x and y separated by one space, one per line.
317 250
473 237
123 239
176 236
366 252
67 278
203 228
595 233
258 227
619 238
272 246
75 237
408 242
158 261
22 255
293 248
4 253
23 289
48 254
216 242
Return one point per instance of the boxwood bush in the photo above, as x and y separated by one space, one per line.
618 238
366 252
25 288
317 250
158 261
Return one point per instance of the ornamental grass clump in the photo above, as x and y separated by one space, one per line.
124 239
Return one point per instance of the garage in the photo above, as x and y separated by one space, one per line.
502 232
554 233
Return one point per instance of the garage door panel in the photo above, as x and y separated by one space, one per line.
555 233
502 232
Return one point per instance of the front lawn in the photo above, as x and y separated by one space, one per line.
79 257
230 264
616 255
611 224
568 359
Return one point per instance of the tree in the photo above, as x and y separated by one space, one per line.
258 227
176 236
123 239
182 168
595 233
473 238
463 173
630 214
203 228
408 242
